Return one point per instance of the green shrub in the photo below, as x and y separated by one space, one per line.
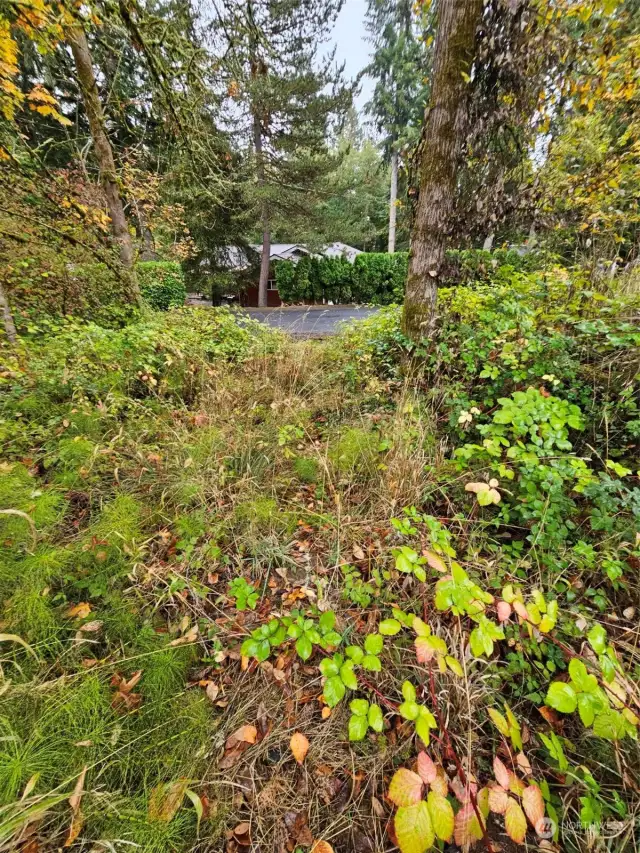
378 278
161 283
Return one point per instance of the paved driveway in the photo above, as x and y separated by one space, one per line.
310 320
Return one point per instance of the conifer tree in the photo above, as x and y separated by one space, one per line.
284 98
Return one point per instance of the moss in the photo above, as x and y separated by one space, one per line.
306 469
355 452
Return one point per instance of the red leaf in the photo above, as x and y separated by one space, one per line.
427 770
501 773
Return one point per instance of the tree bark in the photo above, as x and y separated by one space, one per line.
393 197
264 216
7 317
442 136
104 154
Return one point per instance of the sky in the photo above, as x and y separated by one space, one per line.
349 37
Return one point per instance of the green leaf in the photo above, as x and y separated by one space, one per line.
355 653
409 710
562 697
442 816
408 691
304 647
389 627
373 644
357 727
423 729
372 663
455 666
611 725
499 721
413 828
327 621
359 707
376 720
582 679
597 637
329 667
331 638
249 648
348 676
264 650
333 691
586 708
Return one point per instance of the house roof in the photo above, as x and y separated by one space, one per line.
236 258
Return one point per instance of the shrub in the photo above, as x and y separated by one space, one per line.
161 283
378 278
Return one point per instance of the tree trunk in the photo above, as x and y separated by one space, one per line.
7 317
264 217
393 197
104 154
442 135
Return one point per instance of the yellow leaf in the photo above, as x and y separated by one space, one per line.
413 828
442 816
299 746
515 822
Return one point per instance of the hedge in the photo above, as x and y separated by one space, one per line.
161 283
378 278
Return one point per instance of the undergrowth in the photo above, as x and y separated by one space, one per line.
213 537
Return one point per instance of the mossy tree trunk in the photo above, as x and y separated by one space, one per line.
442 135
104 154
7 316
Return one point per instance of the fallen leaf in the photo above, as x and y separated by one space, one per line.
212 691
299 747
245 734
298 828
358 553
79 611
321 847
377 807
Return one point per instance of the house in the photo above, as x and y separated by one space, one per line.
237 259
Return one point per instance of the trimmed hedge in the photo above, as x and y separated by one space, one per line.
379 278
161 283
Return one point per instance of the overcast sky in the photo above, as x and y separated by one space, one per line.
349 36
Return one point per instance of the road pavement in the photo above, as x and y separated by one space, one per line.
310 320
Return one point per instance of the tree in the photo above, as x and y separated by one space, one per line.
441 142
103 152
283 99
355 207
398 99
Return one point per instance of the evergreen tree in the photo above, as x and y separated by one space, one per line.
397 104
283 99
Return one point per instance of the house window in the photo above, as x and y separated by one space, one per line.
271 284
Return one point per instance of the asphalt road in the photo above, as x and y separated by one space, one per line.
310 320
